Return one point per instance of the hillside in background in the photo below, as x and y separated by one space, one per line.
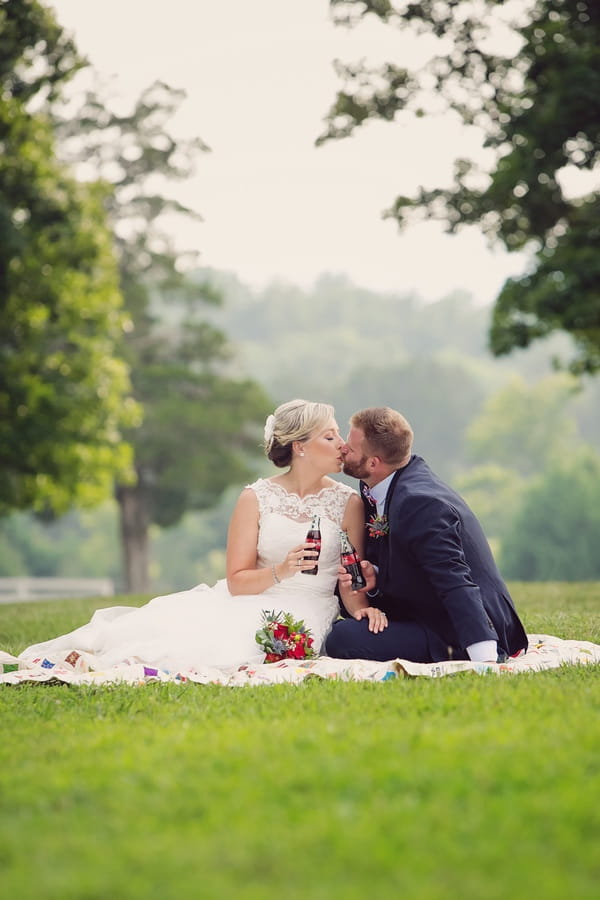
492 427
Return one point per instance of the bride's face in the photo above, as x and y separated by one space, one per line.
324 448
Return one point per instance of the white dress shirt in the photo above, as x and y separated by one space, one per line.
379 493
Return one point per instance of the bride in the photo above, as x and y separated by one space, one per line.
267 560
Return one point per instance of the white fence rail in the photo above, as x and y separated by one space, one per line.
24 588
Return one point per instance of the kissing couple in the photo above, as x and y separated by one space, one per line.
433 591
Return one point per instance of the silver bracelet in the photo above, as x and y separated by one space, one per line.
275 578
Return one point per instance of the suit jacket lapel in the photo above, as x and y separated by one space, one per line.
391 490
384 553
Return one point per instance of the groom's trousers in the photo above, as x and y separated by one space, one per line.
351 639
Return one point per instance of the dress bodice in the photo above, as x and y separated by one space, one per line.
284 520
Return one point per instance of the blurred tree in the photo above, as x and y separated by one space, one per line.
537 102
495 494
63 391
176 560
586 411
525 428
200 426
80 543
556 535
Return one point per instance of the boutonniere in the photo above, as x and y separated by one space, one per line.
378 526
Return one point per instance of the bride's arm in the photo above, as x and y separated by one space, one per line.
243 577
354 524
242 538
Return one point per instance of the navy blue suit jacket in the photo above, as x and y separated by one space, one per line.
436 568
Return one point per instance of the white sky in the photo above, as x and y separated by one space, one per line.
259 79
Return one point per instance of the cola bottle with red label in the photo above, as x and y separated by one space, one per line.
351 562
314 535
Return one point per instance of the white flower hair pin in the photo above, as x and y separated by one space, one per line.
269 428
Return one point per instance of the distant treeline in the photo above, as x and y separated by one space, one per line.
512 434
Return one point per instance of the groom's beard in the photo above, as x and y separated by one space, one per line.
356 469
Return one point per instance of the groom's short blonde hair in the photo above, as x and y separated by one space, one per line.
388 434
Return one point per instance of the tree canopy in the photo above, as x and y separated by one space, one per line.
64 393
537 103
201 424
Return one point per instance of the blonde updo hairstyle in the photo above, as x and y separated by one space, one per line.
296 420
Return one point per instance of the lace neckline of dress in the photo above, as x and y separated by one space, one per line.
280 487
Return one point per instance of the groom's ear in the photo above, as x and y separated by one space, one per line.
377 467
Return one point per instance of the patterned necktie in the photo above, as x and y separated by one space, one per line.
368 496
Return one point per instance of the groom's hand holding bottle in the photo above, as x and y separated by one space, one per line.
358 603
370 574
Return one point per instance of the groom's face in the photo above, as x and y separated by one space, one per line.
355 459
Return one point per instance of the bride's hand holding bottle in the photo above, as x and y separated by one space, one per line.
299 559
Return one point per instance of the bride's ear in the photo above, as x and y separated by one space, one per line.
298 448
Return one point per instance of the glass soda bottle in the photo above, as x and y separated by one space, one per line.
314 535
351 562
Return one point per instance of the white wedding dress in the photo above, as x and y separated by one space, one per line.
207 626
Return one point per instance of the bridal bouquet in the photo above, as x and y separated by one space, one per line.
281 637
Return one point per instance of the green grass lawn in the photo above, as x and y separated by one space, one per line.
479 787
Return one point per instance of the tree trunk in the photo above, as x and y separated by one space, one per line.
134 518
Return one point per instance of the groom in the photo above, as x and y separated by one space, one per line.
430 570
